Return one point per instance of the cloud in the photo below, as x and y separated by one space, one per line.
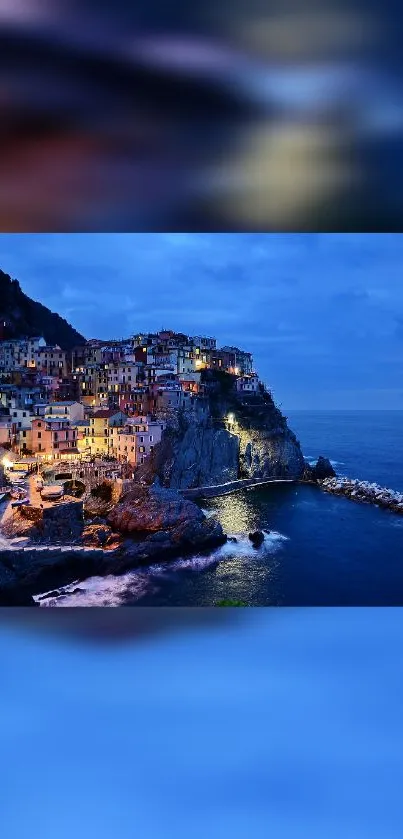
318 311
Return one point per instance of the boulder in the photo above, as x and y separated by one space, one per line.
149 509
322 470
168 523
100 536
257 538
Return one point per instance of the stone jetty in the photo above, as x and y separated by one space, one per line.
364 491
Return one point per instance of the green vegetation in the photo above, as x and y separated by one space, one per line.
228 602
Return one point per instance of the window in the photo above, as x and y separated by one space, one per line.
141 439
151 438
39 435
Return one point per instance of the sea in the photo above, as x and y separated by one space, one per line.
319 549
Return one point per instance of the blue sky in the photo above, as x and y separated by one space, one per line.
322 313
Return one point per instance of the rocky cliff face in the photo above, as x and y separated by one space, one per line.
224 437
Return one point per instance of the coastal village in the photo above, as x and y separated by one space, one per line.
107 401
82 496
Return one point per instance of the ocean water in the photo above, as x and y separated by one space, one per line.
360 444
318 550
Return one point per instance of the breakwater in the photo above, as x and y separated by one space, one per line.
365 492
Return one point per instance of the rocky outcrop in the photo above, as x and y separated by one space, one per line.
147 524
100 500
59 524
97 534
167 523
225 436
320 471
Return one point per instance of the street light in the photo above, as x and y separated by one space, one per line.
231 419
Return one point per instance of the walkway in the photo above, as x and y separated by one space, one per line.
7 546
233 486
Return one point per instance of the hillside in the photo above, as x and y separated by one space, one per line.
20 316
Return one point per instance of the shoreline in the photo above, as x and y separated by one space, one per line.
29 568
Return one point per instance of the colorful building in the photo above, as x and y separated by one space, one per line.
53 439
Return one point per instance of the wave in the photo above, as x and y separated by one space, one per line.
134 585
99 591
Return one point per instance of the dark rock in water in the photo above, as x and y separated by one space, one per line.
324 469
257 538
232 539
267 532
321 470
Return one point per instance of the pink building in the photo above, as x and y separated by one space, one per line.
136 441
54 439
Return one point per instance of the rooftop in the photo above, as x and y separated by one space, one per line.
62 404
110 412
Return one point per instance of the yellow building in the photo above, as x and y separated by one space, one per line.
100 441
25 441
83 431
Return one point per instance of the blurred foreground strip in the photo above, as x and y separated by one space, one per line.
105 626
246 116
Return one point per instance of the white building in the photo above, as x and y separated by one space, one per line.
71 411
248 384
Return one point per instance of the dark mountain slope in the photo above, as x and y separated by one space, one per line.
20 316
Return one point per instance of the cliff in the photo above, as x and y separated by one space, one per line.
223 437
25 317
